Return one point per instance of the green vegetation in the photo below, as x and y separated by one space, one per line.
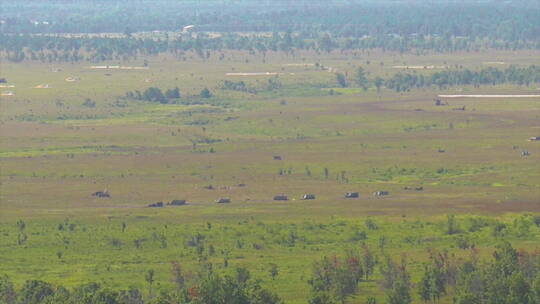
342 259
140 160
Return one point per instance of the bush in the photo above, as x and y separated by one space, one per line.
205 93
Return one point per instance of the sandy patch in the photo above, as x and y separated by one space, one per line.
116 67
299 64
419 67
72 79
7 85
8 93
42 86
254 74
494 62
488 96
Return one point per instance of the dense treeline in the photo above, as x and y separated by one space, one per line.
88 48
154 94
301 25
400 82
511 276
509 21
211 288
405 81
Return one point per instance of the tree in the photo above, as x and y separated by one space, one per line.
535 292
400 292
7 292
335 278
371 300
361 78
321 297
154 95
242 275
205 93
340 78
378 82
519 290
149 278
130 296
216 289
173 93
451 226
431 286
178 276
35 292
368 261
274 271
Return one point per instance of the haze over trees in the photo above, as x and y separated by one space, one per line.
51 30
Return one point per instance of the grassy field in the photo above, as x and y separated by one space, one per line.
55 152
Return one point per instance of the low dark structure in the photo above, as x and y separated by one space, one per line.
308 196
381 193
177 202
101 194
525 153
352 195
439 102
209 187
156 205
241 185
281 197
419 188
277 157
223 200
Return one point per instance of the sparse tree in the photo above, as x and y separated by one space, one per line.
341 80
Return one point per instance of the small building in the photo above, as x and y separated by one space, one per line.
525 153
534 138
308 196
281 197
277 157
223 200
352 195
177 202
156 205
381 193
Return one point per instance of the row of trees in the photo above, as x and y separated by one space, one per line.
154 94
399 82
405 81
47 48
511 277
210 287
